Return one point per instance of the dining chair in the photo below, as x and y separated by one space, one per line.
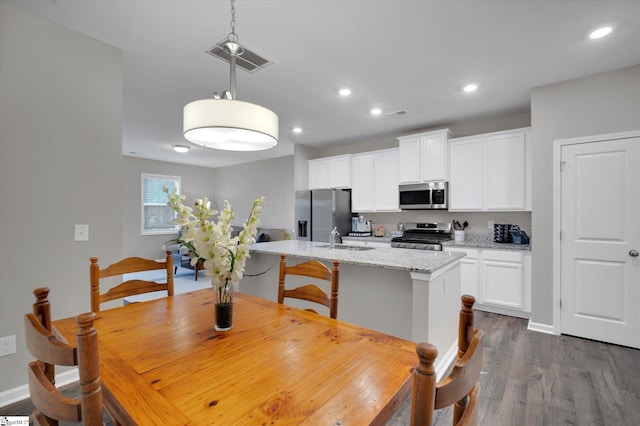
460 388
43 342
130 287
311 292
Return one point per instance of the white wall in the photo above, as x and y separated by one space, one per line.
239 184
301 156
603 103
60 165
197 182
242 184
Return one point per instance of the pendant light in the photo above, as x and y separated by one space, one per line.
223 122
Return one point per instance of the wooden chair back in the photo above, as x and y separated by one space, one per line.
131 287
461 386
50 349
311 292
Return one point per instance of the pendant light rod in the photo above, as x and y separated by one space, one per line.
226 123
233 49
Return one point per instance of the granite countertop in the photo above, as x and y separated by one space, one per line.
484 242
389 258
371 239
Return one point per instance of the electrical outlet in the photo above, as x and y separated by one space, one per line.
8 345
491 223
81 233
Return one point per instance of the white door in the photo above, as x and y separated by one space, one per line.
600 239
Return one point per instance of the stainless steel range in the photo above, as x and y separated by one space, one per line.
424 236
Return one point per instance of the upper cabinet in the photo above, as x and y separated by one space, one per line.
491 172
424 157
330 172
362 182
466 186
374 181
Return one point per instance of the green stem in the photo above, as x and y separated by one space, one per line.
224 292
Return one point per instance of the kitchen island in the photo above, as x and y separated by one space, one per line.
413 294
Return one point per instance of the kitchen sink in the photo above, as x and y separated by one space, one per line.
346 247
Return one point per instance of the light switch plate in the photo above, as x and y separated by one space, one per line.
81 233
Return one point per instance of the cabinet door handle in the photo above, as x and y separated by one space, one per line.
634 253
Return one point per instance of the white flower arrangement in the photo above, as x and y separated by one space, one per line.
223 256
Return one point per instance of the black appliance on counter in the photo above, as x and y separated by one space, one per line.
509 234
424 236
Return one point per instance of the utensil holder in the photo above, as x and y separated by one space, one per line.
458 236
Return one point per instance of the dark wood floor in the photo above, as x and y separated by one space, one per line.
531 378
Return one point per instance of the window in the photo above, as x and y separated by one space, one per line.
157 217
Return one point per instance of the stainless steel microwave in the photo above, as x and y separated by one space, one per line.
424 196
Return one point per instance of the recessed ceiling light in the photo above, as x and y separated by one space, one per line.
345 92
181 148
297 130
376 111
471 87
600 32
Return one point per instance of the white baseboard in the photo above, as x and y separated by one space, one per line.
443 362
21 393
541 328
502 310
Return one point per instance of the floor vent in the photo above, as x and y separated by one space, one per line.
250 61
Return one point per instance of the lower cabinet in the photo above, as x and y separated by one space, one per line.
469 281
500 280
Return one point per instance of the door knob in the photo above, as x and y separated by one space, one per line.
634 253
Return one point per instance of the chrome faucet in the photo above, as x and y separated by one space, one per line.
332 237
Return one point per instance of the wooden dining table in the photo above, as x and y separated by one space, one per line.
162 363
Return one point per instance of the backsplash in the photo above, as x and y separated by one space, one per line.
478 221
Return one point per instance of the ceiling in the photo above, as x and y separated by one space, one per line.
412 56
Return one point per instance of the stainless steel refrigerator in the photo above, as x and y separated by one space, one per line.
319 211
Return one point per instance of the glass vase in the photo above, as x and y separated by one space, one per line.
224 306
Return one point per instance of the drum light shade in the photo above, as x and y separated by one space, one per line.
230 125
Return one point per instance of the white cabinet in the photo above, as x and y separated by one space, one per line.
330 172
500 280
374 181
506 168
491 172
318 174
424 157
466 187
385 180
362 183
469 272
